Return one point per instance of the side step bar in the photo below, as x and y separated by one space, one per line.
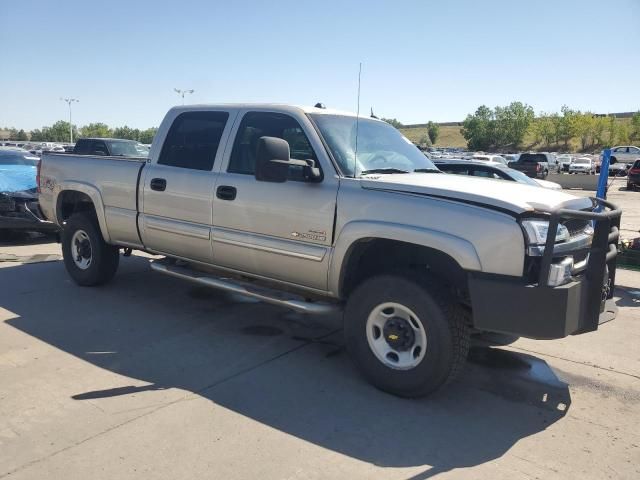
244 288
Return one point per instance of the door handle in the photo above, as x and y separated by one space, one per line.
225 192
158 184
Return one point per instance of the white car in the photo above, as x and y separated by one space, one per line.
624 154
491 159
583 165
564 161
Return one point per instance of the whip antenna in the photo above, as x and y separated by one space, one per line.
355 161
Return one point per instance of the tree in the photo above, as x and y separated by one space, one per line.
22 135
433 130
126 133
146 136
567 125
599 127
519 115
393 122
58 132
425 140
479 129
96 130
37 136
635 126
582 124
612 130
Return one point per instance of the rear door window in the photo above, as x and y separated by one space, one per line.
98 147
193 140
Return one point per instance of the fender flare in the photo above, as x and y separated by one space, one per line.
93 193
459 249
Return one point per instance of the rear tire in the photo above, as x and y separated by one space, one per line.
89 260
405 334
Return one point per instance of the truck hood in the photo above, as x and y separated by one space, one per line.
500 194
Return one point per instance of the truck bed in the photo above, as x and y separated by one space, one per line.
110 182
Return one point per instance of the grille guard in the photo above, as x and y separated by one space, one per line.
600 270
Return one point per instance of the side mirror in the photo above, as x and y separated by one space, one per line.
273 161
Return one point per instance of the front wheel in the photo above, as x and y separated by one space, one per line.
405 334
89 260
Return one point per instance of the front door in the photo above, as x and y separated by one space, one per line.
282 231
178 188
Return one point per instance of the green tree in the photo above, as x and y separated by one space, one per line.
478 129
567 130
58 132
622 133
543 129
22 135
635 126
599 127
425 140
433 130
146 136
520 116
37 136
393 122
96 130
583 127
612 130
126 133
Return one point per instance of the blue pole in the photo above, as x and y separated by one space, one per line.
604 174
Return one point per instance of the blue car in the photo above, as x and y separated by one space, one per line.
19 209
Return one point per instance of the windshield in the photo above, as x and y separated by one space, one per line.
520 177
380 146
17 158
124 149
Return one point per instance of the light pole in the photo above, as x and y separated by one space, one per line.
69 102
182 93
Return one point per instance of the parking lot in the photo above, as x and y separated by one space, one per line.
152 377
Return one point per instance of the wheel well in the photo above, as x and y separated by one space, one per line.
373 256
72 201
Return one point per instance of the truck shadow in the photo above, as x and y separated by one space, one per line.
280 369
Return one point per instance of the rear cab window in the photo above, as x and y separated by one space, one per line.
532 158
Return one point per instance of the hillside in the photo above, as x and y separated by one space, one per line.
451 136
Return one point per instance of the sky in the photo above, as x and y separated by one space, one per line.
421 60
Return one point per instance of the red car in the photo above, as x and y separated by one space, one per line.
633 176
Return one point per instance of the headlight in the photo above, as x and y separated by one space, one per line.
537 232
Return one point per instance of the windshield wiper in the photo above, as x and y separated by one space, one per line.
427 170
383 170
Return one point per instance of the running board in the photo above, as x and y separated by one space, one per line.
246 289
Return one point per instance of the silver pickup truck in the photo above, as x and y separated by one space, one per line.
321 211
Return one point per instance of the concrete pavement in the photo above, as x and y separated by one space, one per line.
151 377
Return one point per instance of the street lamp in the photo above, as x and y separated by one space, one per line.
182 93
69 102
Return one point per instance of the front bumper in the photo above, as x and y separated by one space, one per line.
513 306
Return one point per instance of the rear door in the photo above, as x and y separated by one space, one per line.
177 191
282 231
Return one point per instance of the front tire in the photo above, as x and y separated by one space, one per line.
405 334
89 260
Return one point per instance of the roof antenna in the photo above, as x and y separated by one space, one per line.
355 161
372 114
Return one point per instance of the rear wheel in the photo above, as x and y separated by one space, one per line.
89 260
405 334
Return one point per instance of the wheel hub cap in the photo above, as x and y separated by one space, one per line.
396 336
399 334
81 249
